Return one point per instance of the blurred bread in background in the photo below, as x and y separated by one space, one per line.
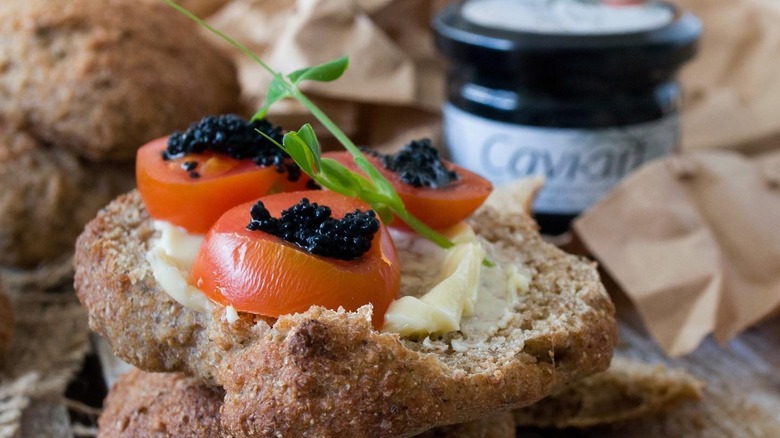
626 391
82 86
48 195
101 77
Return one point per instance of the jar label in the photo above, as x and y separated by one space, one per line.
579 165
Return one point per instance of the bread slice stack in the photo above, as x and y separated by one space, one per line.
328 372
628 390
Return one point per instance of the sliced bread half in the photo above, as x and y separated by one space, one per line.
326 372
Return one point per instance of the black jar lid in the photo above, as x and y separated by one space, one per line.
659 51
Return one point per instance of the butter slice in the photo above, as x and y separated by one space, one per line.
442 308
171 258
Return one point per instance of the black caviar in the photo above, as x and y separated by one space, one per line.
311 227
419 164
235 137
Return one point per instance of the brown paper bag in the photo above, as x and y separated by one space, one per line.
694 240
731 88
395 81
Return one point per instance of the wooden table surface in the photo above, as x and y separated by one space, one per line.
742 396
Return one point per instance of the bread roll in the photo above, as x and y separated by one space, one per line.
326 372
173 405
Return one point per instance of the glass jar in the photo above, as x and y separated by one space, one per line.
578 92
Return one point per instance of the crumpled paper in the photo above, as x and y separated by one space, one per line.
395 80
50 342
732 95
694 241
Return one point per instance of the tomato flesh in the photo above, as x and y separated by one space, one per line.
171 193
439 208
260 273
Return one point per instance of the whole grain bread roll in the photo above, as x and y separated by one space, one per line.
160 404
329 373
99 78
174 405
48 195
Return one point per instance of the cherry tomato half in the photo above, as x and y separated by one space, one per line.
196 200
439 208
257 272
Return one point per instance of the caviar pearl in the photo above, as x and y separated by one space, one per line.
312 227
235 137
418 164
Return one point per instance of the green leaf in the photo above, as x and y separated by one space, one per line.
309 137
277 91
385 212
347 182
293 147
308 159
342 179
329 71
382 184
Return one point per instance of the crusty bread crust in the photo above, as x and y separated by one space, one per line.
328 373
160 404
501 425
174 405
